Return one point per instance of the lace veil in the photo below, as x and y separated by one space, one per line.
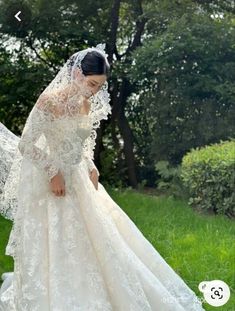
61 99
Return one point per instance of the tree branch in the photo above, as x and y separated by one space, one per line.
140 24
114 21
30 42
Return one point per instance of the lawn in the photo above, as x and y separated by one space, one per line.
198 247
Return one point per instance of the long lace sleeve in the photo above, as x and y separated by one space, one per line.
37 125
88 156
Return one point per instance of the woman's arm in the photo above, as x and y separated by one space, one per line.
36 125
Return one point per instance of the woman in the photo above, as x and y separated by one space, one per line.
73 246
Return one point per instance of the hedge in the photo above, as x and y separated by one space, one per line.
208 173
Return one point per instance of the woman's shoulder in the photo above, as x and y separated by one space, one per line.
52 102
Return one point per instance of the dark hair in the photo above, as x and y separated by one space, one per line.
94 63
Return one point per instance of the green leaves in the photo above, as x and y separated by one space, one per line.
208 174
186 79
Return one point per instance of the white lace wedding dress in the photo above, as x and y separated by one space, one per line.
81 252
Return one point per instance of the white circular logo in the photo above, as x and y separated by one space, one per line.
215 292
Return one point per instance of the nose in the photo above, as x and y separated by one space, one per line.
98 88
94 90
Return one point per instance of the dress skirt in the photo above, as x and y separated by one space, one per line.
81 252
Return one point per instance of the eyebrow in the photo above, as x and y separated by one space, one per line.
96 82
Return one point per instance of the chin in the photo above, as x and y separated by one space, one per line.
87 94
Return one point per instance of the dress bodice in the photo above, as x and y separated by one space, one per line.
70 134
56 142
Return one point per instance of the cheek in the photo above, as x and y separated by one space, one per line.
89 85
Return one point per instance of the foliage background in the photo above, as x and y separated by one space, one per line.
172 74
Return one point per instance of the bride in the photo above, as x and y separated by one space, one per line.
73 246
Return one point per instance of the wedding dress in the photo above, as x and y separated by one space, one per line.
78 252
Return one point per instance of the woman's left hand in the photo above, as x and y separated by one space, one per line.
94 178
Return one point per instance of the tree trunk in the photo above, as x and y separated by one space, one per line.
120 92
128 149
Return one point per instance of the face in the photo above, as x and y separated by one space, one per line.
92 83
95 82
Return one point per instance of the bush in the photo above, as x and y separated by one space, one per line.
208 174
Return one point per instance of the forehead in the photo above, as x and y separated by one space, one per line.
97 78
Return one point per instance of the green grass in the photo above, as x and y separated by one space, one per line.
198 247
6 262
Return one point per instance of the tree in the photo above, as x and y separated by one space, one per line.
190 90
53 30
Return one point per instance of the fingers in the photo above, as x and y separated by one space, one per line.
58 185
59 192
62 193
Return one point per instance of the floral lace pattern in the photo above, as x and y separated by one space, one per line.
9 168
82 252
66 143
46 144
79 252
62 99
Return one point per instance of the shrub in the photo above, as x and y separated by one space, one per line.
208 174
